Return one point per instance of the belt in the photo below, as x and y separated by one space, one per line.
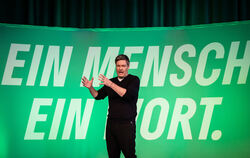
121 120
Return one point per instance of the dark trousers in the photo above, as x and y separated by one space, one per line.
120 136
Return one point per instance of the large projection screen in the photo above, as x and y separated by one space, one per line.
193 101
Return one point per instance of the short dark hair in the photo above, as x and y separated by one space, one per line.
122 57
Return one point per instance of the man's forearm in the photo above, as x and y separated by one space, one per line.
93 92
119 90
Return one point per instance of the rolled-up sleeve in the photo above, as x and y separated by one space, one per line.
132 89
102 93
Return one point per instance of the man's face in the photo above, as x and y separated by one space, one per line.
122 68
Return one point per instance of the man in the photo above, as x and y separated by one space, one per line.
122 92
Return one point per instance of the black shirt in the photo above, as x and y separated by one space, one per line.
121 108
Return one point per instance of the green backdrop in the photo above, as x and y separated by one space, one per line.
193 98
